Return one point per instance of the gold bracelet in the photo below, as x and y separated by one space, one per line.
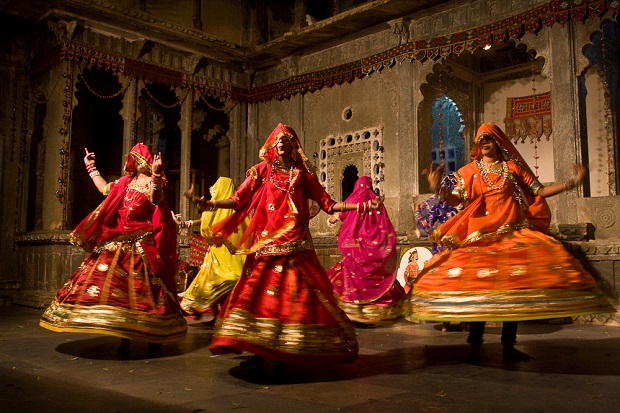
570 184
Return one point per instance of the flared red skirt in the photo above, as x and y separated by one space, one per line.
113 292
283 308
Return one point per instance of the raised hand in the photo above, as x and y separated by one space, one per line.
434 176
158 164
89 159
581 171
191 195
376 203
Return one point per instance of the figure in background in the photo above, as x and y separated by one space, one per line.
499 264
186 269
365 280
221 268
412 270
283 307
126 286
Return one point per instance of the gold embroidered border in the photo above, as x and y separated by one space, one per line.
289 338
116 321
145 236
504 305
368 313
285 248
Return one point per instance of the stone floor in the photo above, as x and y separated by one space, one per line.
403 367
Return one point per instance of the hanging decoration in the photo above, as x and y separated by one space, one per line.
495 33
442 155
528 117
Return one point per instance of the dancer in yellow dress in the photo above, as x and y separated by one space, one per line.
221 268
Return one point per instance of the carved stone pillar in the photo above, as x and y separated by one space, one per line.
566 123
223 156
300 14
252 143
57 126
185 124
407 139
130 113
238 146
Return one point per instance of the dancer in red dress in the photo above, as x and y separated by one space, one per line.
126 287
499 264
283 307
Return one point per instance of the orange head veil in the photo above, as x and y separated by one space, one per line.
538 211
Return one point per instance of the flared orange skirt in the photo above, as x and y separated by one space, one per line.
521 275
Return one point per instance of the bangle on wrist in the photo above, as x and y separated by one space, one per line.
329 223
94 174
570 184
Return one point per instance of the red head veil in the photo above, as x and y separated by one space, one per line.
139 155
258 204
538 211
269 152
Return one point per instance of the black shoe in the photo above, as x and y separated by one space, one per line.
124 349
512 354
154 349
474 354
254 361
279 368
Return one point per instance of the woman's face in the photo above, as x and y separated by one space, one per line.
488 146
285 146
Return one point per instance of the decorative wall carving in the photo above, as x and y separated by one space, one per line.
363 149
605 217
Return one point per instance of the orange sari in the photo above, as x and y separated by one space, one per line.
499 266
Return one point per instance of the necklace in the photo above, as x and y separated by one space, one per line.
133 189
502 171
280 183
281 165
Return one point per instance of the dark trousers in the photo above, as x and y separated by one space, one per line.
509 333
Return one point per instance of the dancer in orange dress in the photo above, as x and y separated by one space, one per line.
499 264
283 307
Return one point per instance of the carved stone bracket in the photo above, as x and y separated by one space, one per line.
63 29
576 232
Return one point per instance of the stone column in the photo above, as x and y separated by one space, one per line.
252 144
223 158
185 124
57 132
407 144
566 122
129 113
300 15
238 145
